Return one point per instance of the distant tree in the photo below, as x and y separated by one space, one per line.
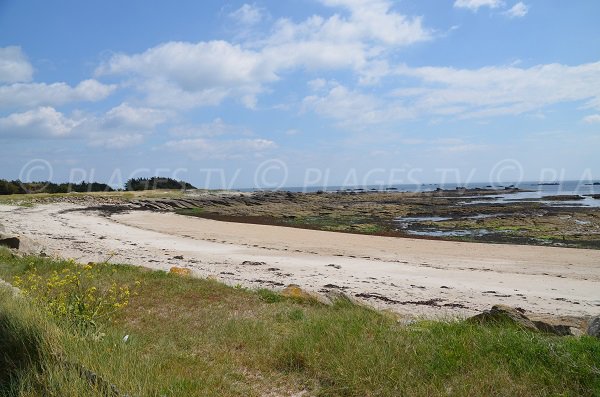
18 187
138 184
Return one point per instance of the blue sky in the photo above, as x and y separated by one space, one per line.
234 94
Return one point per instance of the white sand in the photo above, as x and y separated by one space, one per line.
539 279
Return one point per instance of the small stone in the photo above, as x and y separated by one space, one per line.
251 263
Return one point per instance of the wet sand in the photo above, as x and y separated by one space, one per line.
409 276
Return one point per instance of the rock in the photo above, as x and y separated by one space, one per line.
180 271
22 244
294 291
9 241
178 257
503 312
251 263
558 329
561 326
594 327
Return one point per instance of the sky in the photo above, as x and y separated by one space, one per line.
228 94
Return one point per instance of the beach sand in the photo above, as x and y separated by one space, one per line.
424 278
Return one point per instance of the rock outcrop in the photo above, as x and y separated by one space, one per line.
562 326
20 243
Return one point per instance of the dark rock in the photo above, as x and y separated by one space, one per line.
251 263
10 242
594 327
561 326
557 329
564 197
178 257
502 312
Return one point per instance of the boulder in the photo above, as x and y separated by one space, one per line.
294 291
9 241
594 327
503 312
180 271
557 325
21 243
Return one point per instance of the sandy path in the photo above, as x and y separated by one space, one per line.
462 277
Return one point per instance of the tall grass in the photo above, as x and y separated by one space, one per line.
196 337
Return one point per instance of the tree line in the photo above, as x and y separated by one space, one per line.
133 184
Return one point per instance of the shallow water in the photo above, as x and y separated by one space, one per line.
449 233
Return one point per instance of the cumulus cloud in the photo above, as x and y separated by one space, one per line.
43 122
27 95
475 5
192 74
519 10
202 148
120 127
14 66
187 75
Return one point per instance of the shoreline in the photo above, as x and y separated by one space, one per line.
416 277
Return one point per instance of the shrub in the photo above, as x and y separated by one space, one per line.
75 295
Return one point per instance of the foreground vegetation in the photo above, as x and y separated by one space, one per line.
198 337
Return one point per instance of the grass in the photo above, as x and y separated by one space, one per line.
31 198
197 337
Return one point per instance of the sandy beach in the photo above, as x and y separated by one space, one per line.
409 276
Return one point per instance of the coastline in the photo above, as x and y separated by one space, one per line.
417 277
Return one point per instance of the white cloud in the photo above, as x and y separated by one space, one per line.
462 93
120 127
43 122
519 10
187 75
475 5
202 148
373 20
352 108
41 94
248 14
14 66
126 116
491 91
592 119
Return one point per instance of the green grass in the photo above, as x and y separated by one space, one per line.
197 337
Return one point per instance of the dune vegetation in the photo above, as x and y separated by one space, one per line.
106 329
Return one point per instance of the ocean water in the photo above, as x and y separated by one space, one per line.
563 188
532 191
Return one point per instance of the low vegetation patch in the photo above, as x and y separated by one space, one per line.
183 336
